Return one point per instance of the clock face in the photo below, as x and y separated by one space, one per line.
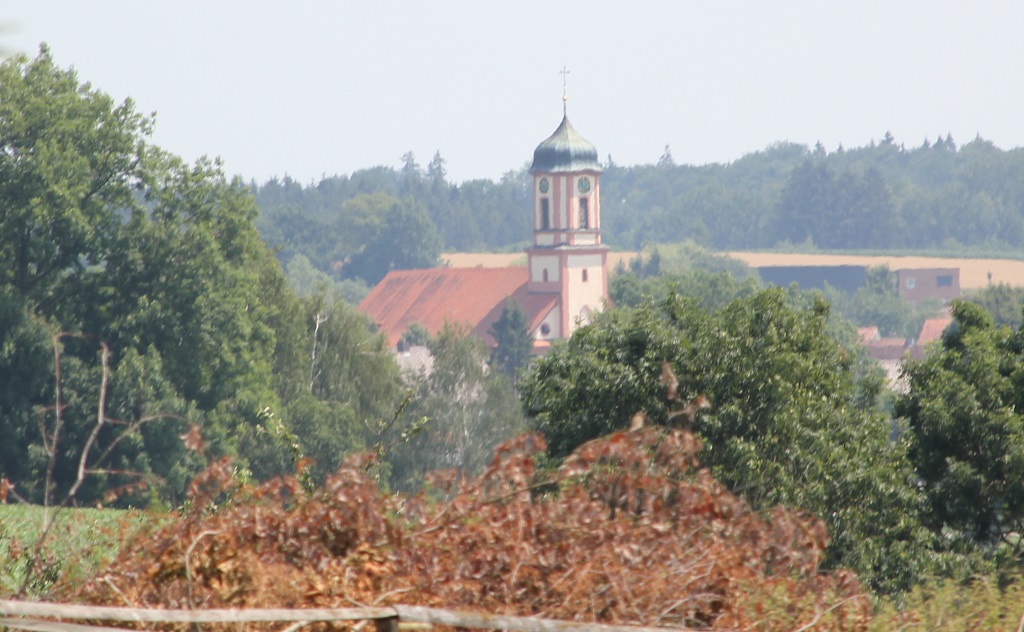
543 185
583 185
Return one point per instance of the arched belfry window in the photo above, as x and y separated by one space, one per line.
545 214
584 212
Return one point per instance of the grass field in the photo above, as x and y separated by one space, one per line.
80 542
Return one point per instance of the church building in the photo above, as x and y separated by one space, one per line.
564 282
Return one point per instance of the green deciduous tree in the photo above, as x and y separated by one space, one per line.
306 280
1002 301
514 343
350 382
469 409
185 278
122 247
710 289
26 386
787 425
388 234
68 156
965 415
593 383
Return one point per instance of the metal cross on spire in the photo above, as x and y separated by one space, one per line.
565 89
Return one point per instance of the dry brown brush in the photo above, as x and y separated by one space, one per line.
627 531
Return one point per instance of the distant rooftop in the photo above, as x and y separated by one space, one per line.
469 296
932 329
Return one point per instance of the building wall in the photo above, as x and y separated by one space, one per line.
583 298
538 265
919 284
551 327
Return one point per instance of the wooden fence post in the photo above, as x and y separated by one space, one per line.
387 625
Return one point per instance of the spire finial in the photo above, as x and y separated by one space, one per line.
565 90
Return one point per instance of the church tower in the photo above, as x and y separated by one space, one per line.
567 257
566 279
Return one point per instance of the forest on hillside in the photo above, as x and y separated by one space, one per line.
937 196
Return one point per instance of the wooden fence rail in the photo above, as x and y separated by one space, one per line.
386 618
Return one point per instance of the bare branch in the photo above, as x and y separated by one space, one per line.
132 428
51 443
319 320
100 407
51 461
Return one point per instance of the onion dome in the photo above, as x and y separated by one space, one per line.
565 150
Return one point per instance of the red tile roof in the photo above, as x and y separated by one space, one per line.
867 333
932 329
432 297
886 348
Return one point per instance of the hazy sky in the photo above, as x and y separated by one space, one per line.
319 88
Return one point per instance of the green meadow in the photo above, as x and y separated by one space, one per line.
78 543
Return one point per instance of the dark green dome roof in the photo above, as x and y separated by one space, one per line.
565 150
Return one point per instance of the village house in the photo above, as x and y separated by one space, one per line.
916 285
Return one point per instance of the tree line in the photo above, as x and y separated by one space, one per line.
937 195
356 228
885 195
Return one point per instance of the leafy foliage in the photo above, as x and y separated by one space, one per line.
787 423
351 381
467 409
1003 302
965 415
360 218
835 210
514 342
120 246
716 280
307 281
713 290
57 186
980 603
26 360
383 233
